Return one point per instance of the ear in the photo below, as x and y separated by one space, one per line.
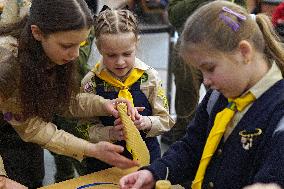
37 33
246 51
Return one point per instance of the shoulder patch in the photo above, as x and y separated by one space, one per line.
144 77
161 94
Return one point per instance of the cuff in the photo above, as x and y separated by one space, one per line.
69 145
99 133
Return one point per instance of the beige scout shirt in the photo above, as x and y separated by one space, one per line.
2 169
152 88
46 134
269 79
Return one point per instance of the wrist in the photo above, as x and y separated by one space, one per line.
149 123
90 150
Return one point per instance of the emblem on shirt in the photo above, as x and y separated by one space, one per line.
247 137
89 87
161 94
144 77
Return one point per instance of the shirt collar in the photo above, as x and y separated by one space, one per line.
268 80
137 64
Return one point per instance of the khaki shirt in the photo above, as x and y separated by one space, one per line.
46 134
2 169
152 88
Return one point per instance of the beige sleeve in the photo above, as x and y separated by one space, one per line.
161 119
2 169
99 132
88 105
47 135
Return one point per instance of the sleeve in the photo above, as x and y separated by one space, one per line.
160 119
84 54
272 166
184 155
47 135
98 132
88 105
2 169
179 10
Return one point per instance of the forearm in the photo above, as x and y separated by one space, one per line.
88 105
160 124
99 133
47 135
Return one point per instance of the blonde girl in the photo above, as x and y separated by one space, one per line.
121 74
237 136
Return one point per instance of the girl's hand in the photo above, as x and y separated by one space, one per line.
140 179
117 133
6 183
109 153
110 107
143 123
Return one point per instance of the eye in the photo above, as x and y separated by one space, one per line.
111 55
211 69
127 54
66 46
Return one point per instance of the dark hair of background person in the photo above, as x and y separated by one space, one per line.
93 5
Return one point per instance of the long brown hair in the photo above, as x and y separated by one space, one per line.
41 96
206 27
8 73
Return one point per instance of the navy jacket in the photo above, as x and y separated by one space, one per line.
232 167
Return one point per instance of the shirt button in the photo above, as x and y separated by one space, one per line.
219 152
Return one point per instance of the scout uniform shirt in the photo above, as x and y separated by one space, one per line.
46 134
151 86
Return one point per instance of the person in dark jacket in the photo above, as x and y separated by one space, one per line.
237 136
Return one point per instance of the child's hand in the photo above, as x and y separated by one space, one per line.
116 132
143 123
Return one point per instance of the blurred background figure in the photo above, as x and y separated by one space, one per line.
278 19
150 12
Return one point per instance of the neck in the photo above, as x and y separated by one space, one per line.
262 67
120 78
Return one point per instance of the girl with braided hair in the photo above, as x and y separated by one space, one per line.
121 74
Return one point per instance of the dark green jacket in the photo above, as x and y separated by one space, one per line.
180 10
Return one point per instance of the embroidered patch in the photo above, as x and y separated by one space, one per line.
89 87
8 116
161 94
144 77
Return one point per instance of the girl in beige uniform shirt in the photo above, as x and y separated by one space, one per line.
46 48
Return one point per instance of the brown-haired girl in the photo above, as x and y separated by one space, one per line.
47 48
121 74
8 78
237 135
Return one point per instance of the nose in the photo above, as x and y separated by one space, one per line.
73 53
120 60
206 81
